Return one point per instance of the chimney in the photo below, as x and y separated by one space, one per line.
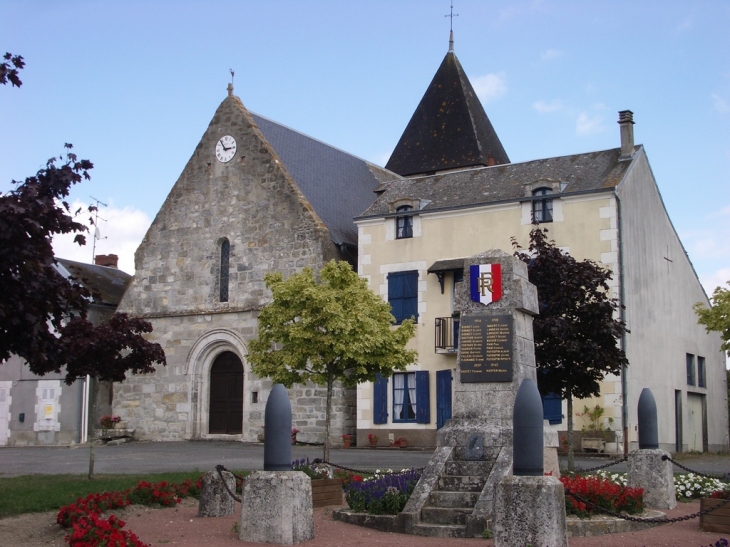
110 261
626 122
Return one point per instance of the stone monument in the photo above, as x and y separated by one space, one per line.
496 303
648 468
276 504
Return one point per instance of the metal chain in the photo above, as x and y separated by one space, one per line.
344 468
662 520
604 466
723 477
220 470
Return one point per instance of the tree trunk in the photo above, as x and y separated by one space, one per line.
571 456
328 415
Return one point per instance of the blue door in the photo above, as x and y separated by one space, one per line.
443 397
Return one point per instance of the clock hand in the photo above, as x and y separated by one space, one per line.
224 146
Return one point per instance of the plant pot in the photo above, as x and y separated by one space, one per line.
346 443
403 444
719 520
373 443
326 492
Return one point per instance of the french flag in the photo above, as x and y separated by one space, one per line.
486 282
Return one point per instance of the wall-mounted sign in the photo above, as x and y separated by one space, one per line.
485 348
485 282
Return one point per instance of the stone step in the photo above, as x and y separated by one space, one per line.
440 530
461 483
445 515
464 467
453 499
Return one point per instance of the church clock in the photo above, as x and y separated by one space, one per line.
225 149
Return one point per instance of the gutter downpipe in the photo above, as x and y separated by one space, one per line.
622 312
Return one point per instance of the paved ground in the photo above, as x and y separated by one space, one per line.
182 456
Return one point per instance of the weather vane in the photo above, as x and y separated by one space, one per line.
452 15
232 74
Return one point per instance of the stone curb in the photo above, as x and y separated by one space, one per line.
601 525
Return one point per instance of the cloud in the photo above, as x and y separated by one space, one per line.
718 278
544 107
721 105
586 124
121 234
550 54
489 87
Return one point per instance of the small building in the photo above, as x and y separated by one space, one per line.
43 410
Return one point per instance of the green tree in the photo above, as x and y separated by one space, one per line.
576 333
328 331
717 317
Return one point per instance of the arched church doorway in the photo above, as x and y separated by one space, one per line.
226 395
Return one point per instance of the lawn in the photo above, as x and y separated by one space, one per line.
39 493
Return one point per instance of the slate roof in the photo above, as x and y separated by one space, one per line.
449 129
110 283
338 185
581 173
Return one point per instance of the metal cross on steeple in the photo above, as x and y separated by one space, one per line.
452 15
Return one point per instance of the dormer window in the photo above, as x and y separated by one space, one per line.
542 207
404 222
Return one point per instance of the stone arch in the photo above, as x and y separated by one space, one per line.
200 359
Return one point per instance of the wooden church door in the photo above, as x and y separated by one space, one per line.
226 395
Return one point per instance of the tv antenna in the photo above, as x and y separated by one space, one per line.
97 233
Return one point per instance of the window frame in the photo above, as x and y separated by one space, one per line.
403 222
542 206
419 389
224 270
701 372
690 363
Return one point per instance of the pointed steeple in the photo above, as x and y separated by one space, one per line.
449 129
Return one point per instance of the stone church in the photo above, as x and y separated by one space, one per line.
255 197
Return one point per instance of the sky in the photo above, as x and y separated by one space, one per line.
133 86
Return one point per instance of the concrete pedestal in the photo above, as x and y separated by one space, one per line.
276 507
647 470
529 511
215 501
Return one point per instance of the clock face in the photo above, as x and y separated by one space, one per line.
225 149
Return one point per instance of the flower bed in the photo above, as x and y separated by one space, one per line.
687 486
603 493
383 494
89 529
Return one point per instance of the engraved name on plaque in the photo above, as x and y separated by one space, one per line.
485 346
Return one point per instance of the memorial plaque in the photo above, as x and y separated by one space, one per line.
485 348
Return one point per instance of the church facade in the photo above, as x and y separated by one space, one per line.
255 197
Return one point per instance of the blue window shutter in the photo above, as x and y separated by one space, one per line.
443 397
380 400
403 295
423 404
552 408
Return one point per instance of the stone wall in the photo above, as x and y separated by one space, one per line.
253 203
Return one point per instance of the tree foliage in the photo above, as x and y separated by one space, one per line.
576 332
322 332
717 317
9 68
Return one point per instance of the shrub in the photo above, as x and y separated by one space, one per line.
93 531
163 493
383 494
309 469
603 493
